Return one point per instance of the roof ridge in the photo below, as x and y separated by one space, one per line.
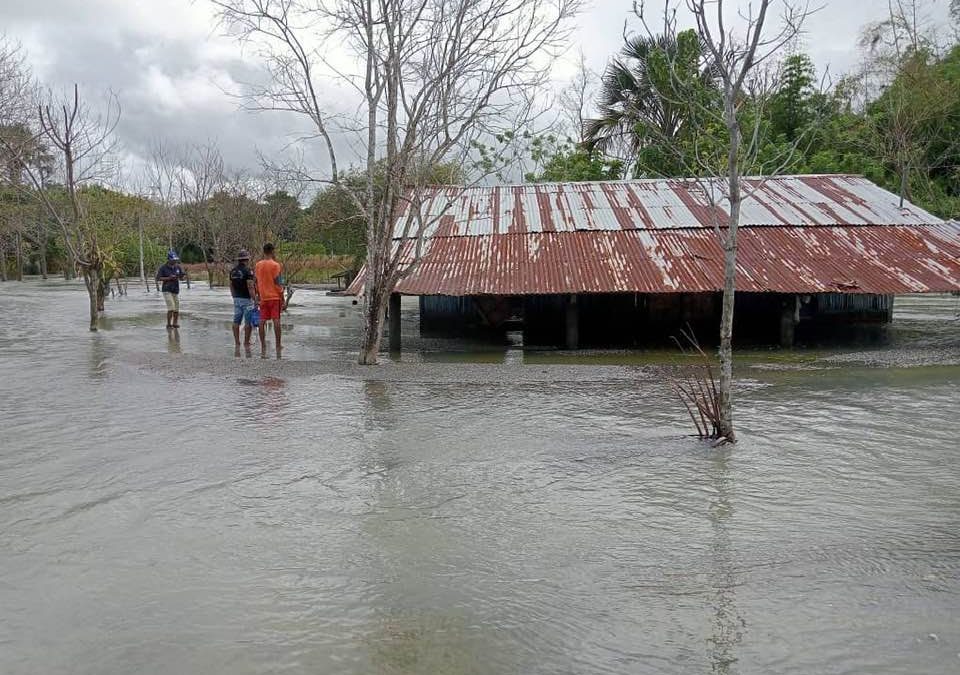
628 181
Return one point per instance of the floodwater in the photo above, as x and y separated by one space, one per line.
169 507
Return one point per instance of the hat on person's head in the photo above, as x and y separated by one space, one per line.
172 255
244 254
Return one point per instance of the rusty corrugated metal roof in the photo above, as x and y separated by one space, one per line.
885 259
800 234
657 205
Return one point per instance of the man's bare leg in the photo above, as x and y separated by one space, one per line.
262 330
169 318
276 334
176 319
236 335
247 330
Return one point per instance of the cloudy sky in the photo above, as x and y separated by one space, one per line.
171 67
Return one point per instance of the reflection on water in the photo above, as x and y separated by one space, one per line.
728 624
173 341
166 507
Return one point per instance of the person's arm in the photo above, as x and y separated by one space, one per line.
252 288
283 291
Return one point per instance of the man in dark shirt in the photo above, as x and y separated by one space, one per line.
170 274
244 293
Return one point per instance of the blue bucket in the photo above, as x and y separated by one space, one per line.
254 317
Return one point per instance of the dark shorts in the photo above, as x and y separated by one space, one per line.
269 310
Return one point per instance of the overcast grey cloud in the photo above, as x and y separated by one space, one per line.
172 69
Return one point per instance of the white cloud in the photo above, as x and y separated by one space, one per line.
170 66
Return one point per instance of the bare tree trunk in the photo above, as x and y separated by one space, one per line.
103 287
374 312
3 262
729 270
43 256
91 278
70 269
19 252
143 275
374 308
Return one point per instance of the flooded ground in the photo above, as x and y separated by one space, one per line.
169 507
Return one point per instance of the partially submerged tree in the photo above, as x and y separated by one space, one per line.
81 143
435 76
731 103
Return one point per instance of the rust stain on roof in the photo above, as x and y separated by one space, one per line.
807 234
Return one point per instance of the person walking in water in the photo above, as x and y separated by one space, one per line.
244 291
269 276
170 274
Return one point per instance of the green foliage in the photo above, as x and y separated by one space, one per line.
301 248
333 219
565 161
651 100
793 108
660 107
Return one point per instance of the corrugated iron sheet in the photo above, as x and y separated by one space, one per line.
658 205
882 259
798 234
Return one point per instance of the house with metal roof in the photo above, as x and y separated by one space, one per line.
605 263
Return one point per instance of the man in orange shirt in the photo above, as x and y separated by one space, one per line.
269 276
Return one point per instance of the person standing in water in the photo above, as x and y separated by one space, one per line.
244 292
170 274
269 276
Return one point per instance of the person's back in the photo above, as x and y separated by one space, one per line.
269 275
244 293
268 272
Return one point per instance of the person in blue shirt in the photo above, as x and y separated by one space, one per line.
170 274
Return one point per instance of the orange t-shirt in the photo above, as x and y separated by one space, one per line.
267 272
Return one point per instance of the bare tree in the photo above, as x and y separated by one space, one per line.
434 77
738 52
199 173
16 107
576 99
81 141
17 86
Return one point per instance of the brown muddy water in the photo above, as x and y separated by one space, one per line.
167 507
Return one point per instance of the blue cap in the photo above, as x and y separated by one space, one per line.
172 255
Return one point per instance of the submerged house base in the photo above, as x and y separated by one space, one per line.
624 263
598 320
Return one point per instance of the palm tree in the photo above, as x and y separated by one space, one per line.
636 108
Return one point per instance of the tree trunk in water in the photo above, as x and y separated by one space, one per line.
43 260
19 252
729 270
70 269
91 278
726 328
143 275
374 311
103 286
3 262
